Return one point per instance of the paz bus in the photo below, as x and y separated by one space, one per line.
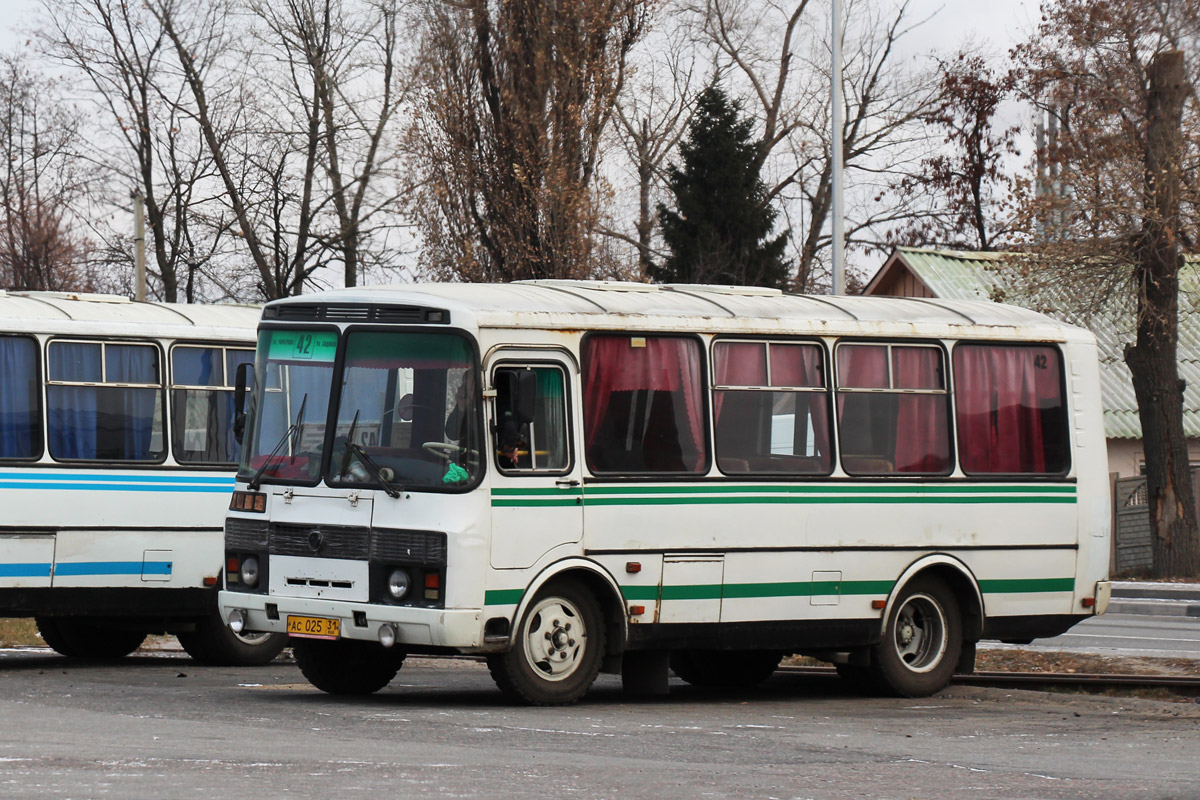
576 477
116 465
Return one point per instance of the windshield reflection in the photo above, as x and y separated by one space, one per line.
410 405
286 432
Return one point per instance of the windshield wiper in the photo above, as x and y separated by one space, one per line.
374 468
293 430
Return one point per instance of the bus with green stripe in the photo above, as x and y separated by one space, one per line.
117 456
572 478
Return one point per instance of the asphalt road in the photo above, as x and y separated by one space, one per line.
1128 635
161 726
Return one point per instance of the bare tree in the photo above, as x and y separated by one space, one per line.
43 182
780 52
516 102
1127 154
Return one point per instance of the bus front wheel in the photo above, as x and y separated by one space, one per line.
76 638
347 666
558 650
213 644
921 641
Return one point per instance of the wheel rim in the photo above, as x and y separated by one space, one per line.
555 639
252 639
920 633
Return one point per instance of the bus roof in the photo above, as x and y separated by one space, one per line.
561 304
83 313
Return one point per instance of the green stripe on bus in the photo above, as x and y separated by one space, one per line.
829 489
1027 585
716 591
571 491
549 503
845 500
502 597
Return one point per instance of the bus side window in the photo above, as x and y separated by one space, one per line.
202 396
1011 414
643 404
105 401
20 393
538 445
771 408
893 409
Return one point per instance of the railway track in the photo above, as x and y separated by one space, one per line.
1089 682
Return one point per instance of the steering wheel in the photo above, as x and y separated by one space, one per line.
448 450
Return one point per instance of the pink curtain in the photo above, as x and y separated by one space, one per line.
922 425
802 365
612 363
1000 392
737 364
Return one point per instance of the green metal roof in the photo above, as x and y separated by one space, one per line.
963 275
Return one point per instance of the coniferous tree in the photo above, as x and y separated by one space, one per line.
718 230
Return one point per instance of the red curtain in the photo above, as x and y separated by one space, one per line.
737 364
1000 392
922 425
658 364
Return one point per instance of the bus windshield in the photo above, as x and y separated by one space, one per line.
408 415
286 437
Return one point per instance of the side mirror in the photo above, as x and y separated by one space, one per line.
525 402
243 379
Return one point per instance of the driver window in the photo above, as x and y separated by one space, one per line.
540 444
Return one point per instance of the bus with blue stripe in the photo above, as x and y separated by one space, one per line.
116 465
570 477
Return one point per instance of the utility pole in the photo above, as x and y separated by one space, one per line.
835 101
139 245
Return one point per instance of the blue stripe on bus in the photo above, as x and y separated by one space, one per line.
113 568
24 570
118 487
75 477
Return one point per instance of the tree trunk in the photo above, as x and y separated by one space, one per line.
1175 544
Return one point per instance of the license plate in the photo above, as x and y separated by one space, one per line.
314 627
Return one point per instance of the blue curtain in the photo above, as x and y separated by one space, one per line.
73 409
20 423
136 407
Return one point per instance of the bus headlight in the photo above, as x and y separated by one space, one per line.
237 620
398 583
249 572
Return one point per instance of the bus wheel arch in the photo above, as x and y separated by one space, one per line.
608 596
929 628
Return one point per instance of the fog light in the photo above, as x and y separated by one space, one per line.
397 583
237 620
250 571
387 634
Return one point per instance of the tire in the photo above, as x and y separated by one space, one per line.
725 669
76 638
922 641
558 649
214 644
347 666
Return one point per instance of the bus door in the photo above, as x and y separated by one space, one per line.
537 497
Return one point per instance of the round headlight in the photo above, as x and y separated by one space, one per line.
237 620
398 583
249 571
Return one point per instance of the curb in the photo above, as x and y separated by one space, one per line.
1155 607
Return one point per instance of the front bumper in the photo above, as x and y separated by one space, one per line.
456 630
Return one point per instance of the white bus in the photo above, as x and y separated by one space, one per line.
117 456
574 477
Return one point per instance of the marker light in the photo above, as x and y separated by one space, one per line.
397 583
237 620
250 571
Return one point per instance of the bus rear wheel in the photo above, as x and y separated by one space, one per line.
725 669
77 638
921 642
212 643
558 650
347 666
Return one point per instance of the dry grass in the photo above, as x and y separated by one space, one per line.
18 633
